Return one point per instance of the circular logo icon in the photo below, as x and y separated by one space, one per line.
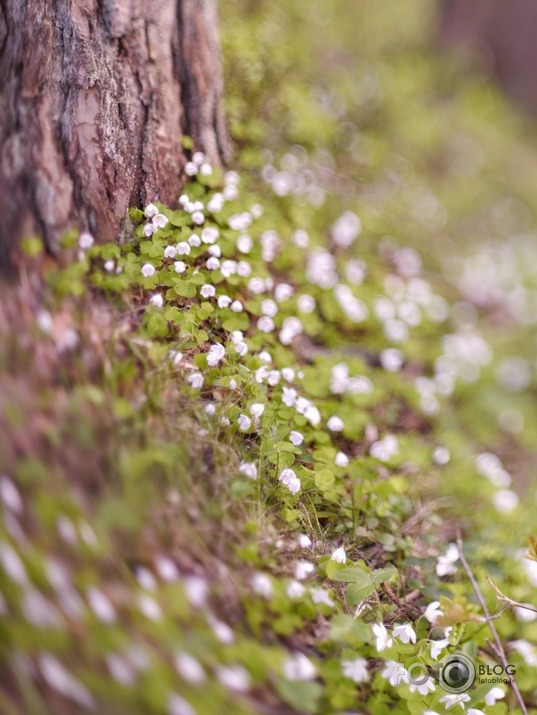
456 673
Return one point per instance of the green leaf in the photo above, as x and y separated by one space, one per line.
301 696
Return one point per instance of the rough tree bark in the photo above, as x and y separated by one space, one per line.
503 32
94 98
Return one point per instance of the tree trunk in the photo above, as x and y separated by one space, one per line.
503 32
95 96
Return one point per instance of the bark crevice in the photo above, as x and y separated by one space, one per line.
94 99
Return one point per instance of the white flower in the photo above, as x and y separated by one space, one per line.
194 241
286 476
241 349
306 304
243 269
179 266
57 677
283 291
320 595
346 229
295 589
265 324
101 605
335 424
85 241
493 695
234 677
288 374
244 243
10 496
339 556
157 300
228 268
148 270
195 380
505 501
289 397
437 647
207 291
213 263
249 469
257 285
474 711
433 612
151 210
221 630
244 422
191 168
223 301
206 169
445 564
384 449
441 456
295 437
304 541
189 668
170 252
198 218
301 238
196 590
210 234
394 673
405 633
269 307
149 607
299 667
455 699
182 249
262 585
303 569
236 306
257 410
215 354
423 688
150 229
160 220
198 157
341 460
355 670
383 639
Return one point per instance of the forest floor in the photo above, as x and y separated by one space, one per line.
237 451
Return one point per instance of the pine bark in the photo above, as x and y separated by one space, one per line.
95 96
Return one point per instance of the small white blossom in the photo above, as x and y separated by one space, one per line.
339 556
170 252
335 424
296 438
437 647
195 380
234 677
383 639
341 460
223 301
85 241
151 210
433 612
244 423
265 324
198 218
445 564
299 667
193 241
160 220
257 410
355 670
157 300
244 243
423 688
405 633
455 699
249 469
269 307
179 266
295 589
236 306
210 234
213 263
394 673
191 168
148 270
304 541
493 695
182 248
303 569
262 585
189 668
207 291
320 595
